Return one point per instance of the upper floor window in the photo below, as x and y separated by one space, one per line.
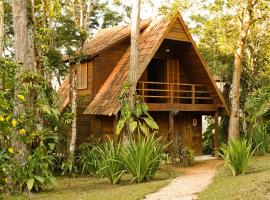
82 76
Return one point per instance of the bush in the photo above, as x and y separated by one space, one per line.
109 163
260 139
188 157
87 157
237 155
208 140
142 156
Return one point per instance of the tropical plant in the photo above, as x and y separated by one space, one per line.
260 139
237 155
189 156
142 156
208 140
139 120
109 163
37 172
88 156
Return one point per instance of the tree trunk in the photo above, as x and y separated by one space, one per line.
2 31
238 57
25 55
74 110
134 50
84 23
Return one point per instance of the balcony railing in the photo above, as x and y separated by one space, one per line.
174 93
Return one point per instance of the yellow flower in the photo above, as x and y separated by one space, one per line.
6 180
10 150
1 118
22 131
21 97
8 117
14 122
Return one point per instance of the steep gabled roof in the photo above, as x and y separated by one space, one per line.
106 101
105 38
64 93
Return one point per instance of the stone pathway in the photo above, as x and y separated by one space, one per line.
186 187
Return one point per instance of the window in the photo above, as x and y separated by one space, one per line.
82 76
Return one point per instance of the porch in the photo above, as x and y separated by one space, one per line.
164 96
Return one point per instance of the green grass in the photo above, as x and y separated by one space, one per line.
255 185
85 188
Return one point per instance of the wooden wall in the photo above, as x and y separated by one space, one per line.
191 135
98 70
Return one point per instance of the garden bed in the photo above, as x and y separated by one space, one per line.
85 188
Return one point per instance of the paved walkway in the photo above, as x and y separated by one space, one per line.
186 187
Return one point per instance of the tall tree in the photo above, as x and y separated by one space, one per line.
238 58
134 49
24 55
83 21
2 31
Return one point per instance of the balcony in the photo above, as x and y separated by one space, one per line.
175 96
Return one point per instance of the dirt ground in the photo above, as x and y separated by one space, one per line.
187 186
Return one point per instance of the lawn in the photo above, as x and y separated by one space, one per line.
85 188
255 185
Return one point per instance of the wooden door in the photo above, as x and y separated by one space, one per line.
173 77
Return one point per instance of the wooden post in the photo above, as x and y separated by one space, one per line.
143 91
171 134
193 94
216 136
171 84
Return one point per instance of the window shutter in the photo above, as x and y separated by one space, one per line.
82 76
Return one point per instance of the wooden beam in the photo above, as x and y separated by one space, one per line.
216 134
181 107
171 134
177 36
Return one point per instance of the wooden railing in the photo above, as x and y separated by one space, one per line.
161 92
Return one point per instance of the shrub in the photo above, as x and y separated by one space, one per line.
109 163
260 139
142 156
188 157
237 154
87 158
36 174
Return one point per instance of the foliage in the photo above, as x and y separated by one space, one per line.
257 105
189 157
260 139
37 173
142 156
109 163
208 140
35 127
237 155
88 156
140 120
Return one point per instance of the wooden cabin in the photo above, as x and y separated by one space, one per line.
173 80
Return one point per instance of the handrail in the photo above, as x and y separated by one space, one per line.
166 92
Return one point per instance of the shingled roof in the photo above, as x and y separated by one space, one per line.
64 93
106 38
106 101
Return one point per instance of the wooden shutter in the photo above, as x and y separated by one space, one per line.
82 76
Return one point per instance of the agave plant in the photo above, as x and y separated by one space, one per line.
237 155
142 156
109 163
